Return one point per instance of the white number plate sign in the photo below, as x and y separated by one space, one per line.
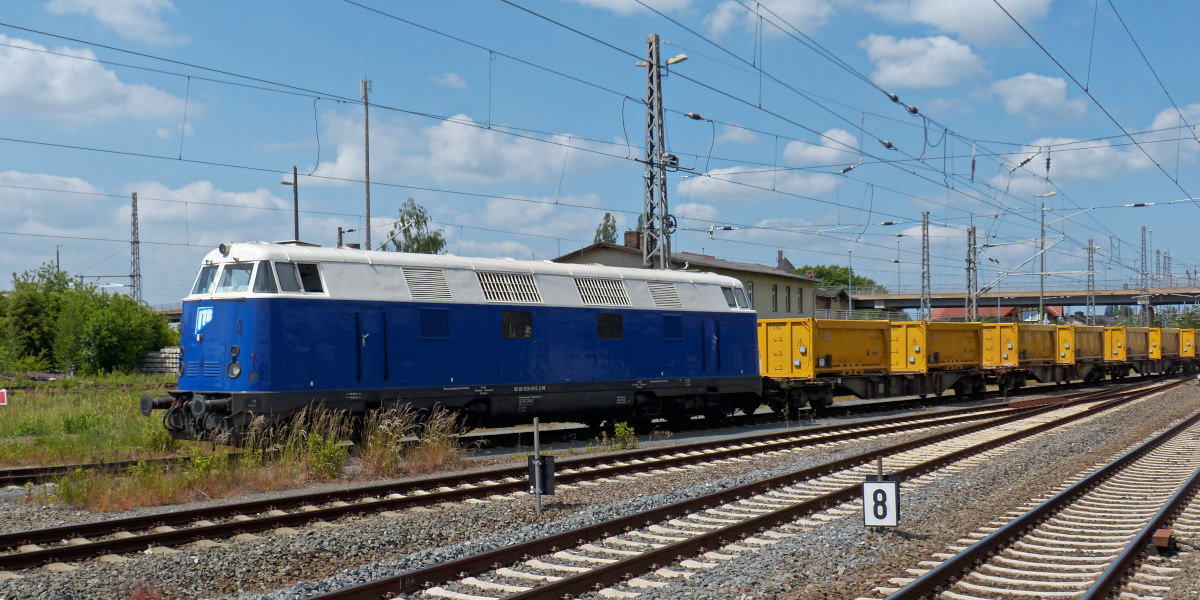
881 503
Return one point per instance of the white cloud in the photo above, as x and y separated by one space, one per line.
975 21
736 135
838 146
692 211
139 20
805 15
629 7
75 91
1039 98
450 151
738 184
544 216
449 79
169 133
1071 160
921 62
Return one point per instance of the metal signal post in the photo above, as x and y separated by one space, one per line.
656 247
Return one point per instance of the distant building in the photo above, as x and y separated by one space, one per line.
1006 312
776 292
832 299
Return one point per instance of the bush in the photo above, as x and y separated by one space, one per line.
48 321
624 437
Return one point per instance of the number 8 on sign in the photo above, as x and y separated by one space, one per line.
881 503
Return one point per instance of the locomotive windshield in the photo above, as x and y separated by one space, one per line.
204 281
235 278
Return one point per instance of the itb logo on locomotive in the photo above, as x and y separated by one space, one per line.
204 315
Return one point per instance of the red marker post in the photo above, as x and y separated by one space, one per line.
3 397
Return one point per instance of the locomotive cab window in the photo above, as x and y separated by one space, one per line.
742 299
204 281
289 280
235 277
310 277
610 326
264 278
516 324
728 293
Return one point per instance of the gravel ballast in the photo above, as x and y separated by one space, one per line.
836 560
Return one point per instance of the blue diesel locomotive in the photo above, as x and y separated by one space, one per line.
270 329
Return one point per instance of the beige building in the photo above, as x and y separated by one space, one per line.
775 292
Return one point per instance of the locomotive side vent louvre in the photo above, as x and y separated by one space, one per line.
598 291
192 369
427 284
664 293
435 324
509 287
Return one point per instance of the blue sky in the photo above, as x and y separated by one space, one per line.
517 126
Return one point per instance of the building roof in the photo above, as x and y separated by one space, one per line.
681 260
825 292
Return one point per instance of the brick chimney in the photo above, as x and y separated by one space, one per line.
633 239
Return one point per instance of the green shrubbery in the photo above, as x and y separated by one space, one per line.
50 322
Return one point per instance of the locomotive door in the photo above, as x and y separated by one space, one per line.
370 346
710 340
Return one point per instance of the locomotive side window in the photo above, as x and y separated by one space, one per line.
728 292
517 324
204 281
289 281
310 277
264 279
235 277
673 328
610 326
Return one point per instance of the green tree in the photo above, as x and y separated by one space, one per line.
606 232
411 233
50 322
835 275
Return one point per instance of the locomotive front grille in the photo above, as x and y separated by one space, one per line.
212 369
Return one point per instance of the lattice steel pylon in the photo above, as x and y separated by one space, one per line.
926 299
135 254
1168 277
972 278
656 247
1144 297
1091 282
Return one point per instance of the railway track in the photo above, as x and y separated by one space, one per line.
1081 542
624 556
74 542
519 438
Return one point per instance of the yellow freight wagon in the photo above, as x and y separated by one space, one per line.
1115 349
1154 349
1187 343
922 346
1037 344
1000 344
1169 342
1137 343
1065 339
809 348
1089 343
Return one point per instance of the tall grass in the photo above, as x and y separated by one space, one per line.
312 447
401 441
